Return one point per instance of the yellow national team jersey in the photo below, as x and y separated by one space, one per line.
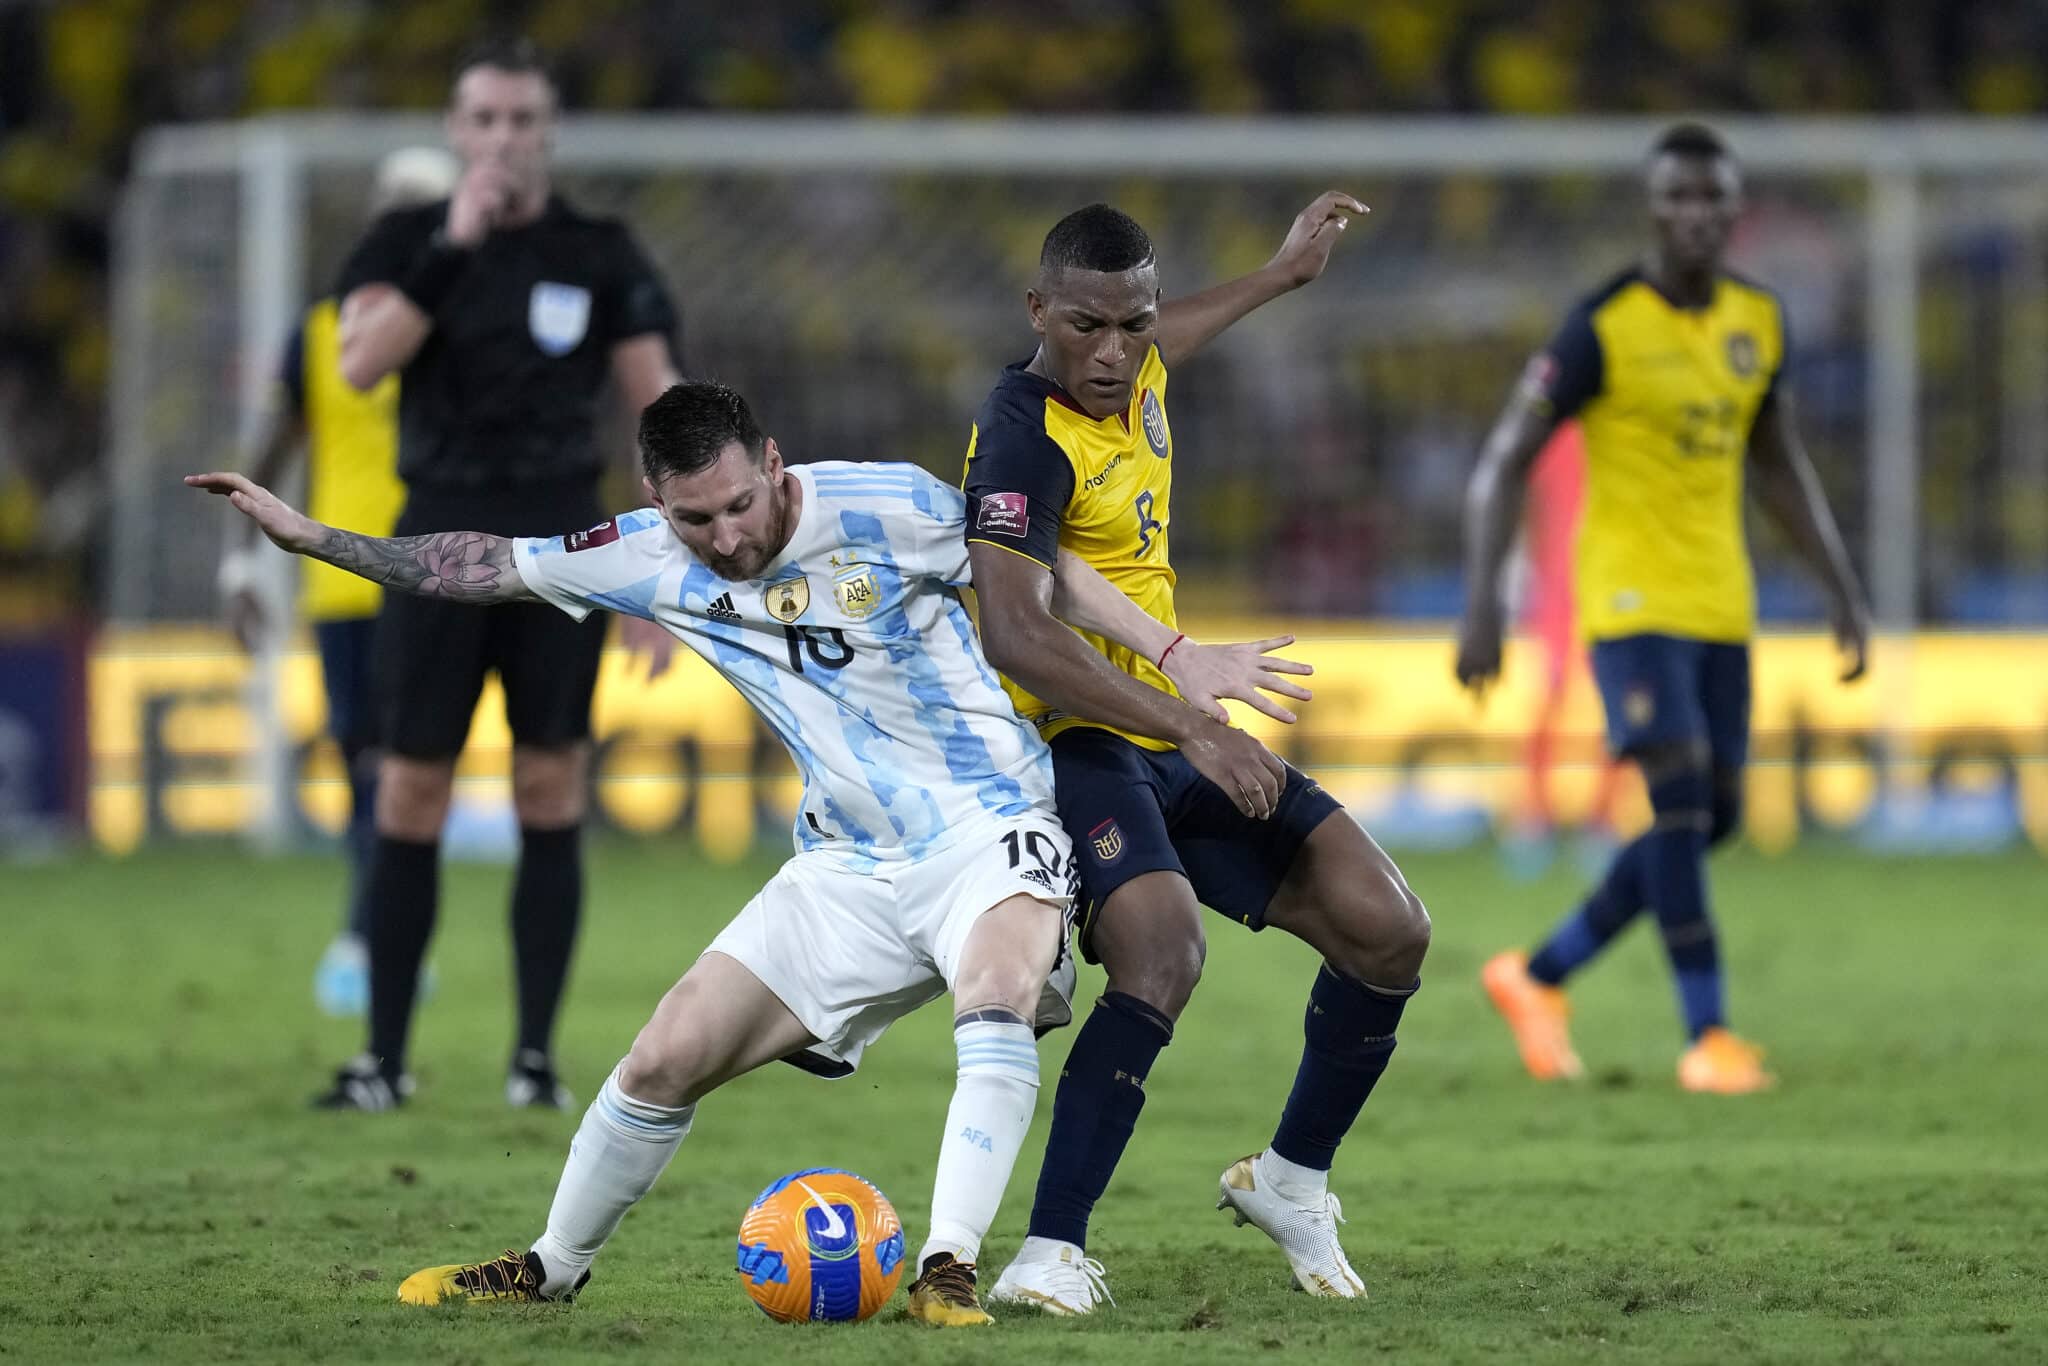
1043 474
1666 398
351 464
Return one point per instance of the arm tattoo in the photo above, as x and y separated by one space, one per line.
462 566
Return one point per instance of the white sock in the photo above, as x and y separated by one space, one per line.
1304 1186
1037 1249
619 1150
995 1091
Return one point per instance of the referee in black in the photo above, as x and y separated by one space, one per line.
505 312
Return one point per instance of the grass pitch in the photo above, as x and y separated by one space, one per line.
165 1195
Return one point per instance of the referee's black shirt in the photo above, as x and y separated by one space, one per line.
498 408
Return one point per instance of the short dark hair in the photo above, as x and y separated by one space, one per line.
1096 237
690 425
503 53
1689 140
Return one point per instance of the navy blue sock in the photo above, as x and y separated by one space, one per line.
362 835
1349 1033
1580 936
1675 859
1101 1091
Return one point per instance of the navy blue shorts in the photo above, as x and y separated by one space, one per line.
345 665
1661 691
1131 810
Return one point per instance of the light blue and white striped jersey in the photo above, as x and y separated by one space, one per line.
853 645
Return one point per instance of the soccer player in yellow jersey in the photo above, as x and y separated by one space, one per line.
1167 808
1675 370
350 442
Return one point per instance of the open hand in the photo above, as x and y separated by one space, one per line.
1205 674
277 519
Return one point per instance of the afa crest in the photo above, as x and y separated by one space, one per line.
1742 354
789 599
1154 414
857 592
1108 840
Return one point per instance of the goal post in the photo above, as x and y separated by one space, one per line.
863 279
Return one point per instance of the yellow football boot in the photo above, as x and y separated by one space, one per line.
943 1294
514 1276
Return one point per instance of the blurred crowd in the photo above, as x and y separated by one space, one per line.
80 78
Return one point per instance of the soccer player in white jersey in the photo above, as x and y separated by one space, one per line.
829 595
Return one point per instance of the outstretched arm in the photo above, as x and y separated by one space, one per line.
460 566
1188 324
1204 674
1023 639
1785 483
1493 510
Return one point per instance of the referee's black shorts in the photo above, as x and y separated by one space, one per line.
432 656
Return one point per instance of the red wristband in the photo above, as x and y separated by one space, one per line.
1169 649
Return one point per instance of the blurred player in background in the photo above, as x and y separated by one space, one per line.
1557 487
929 855
1073 452
350 441
506 313
1675 370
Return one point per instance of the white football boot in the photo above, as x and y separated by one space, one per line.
1056 1277
1305 1229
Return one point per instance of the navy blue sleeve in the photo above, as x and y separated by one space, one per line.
291 368
1566 374
1018 485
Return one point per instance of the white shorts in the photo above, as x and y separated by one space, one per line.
850 953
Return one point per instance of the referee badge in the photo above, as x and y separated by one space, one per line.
789 599
857 591
557 315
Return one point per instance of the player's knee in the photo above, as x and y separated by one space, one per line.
412 797
664 1067
1013 984
1163 973
548 786
1379 932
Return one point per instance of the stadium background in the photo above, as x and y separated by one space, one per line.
1325 442
167 1196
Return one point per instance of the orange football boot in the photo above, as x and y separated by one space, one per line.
1538 1015
1724 1065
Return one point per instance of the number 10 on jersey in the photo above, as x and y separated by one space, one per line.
826 645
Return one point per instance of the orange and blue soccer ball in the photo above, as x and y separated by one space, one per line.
821 1246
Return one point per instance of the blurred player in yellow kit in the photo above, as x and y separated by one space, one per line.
1674 370
350 441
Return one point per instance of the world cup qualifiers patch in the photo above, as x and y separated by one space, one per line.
1003 514
604 533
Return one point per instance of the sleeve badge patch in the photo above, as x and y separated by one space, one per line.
1003 514
604 533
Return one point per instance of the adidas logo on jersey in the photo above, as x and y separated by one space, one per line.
722 609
